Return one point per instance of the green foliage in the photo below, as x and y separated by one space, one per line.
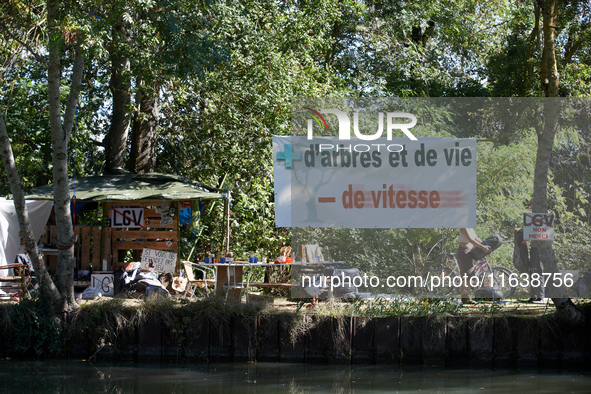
383 307
573 232
31 328
504 188
226 119
380 252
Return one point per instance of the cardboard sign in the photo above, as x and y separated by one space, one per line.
127 217
103 282
158 260
538 227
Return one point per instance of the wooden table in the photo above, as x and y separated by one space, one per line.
230 281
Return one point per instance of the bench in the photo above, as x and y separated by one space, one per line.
244 285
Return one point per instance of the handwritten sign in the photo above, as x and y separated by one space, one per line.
158 260
103 282
538 226
166 220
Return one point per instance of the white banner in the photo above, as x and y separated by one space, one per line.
10 240
395 183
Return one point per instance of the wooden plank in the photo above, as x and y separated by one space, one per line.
53 235
10 279
155 224
125 245
136 239
96 247
107 247
85 246
146 234
259 284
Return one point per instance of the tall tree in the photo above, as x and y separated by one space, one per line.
61 131
26 231
120 86
549 80
224 121
149 46
62 40
142 159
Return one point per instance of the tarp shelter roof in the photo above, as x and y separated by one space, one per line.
129 187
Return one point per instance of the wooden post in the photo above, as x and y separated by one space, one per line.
227 240
85 244
96 247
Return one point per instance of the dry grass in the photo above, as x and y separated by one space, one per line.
338 308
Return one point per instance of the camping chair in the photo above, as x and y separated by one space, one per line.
20 278
195 283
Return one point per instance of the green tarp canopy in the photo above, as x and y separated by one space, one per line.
130 187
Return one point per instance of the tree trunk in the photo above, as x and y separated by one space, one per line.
549 79
142 159
26 232
60 135
548 69
120 85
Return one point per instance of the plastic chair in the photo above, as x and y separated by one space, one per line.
197 283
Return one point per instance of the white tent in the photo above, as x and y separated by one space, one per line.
10 242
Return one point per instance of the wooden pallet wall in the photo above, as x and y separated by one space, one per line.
87 249
154 234
95 244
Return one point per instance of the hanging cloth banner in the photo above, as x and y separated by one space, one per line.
384 183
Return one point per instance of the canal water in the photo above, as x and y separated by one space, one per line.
86 377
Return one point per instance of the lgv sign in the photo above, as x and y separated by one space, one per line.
345 124
538 226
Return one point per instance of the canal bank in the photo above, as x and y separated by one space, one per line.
216 332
